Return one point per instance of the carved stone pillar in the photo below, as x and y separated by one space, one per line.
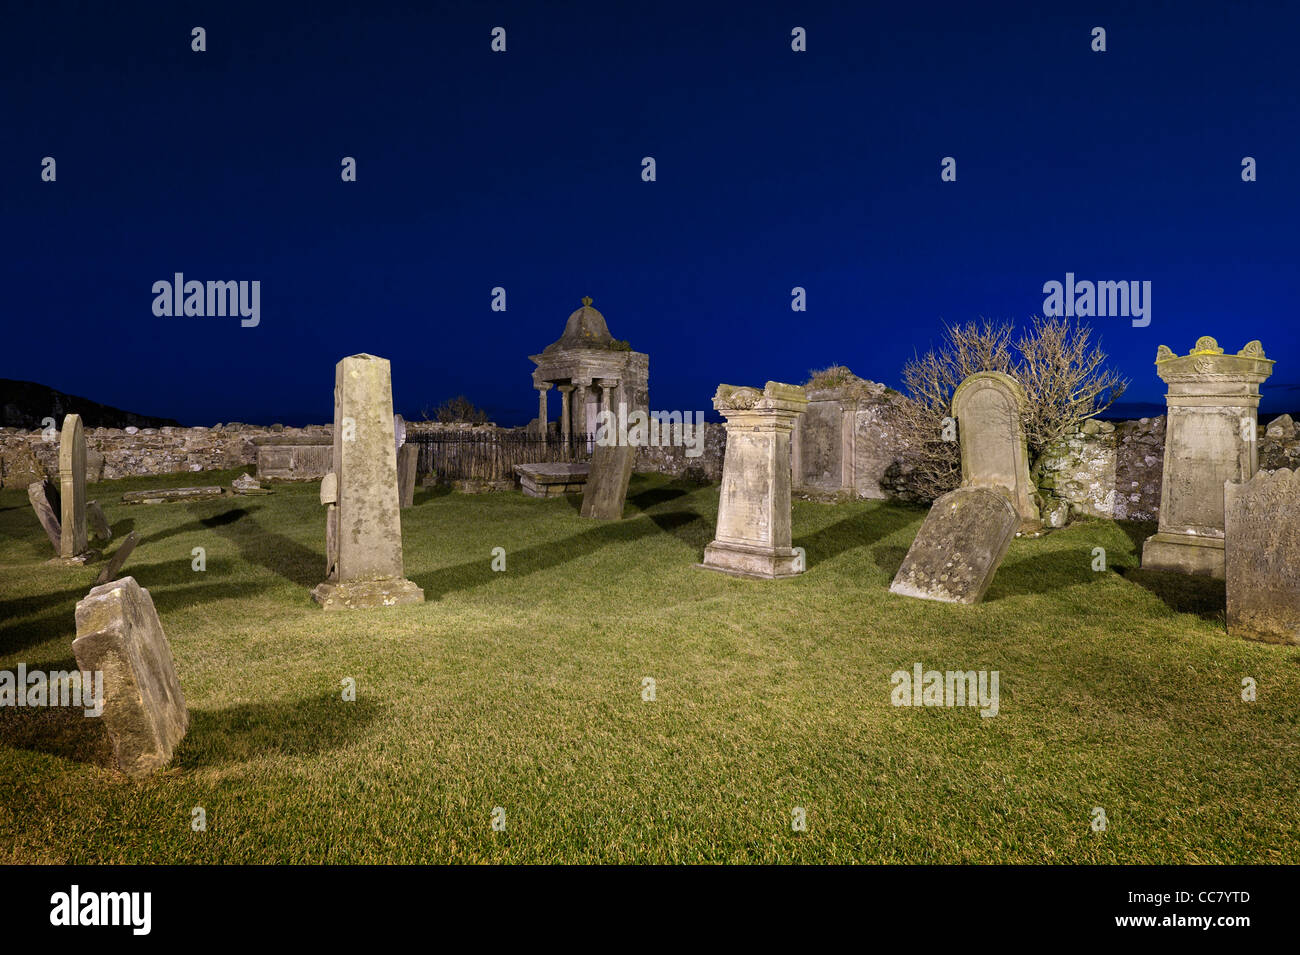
542 389
566 421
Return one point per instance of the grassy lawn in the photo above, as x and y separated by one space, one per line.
522 689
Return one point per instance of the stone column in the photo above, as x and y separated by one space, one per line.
608 387
366 524
753 532
581 388
72 491
542 418
1213 403
566 423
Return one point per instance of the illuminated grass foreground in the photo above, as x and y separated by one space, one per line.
520 696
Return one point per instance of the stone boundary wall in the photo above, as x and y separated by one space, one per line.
1108 469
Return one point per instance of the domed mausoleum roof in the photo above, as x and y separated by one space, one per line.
585 328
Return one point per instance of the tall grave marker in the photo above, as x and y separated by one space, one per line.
1262 556
753 531
1209 439
364 529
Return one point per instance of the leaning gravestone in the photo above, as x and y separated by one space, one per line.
753 530
407 457
97 522
115 562
38 494
72 489
364 525
1262 556
119 635
959 547
1209 439
606 489
994 453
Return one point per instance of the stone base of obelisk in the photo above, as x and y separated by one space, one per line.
361 594
1184 554
756 562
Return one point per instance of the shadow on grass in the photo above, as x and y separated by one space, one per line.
51 618
654 496
1205 597
1041 574
541 557
423 495
288 727
198 525
215 737
1137 532
860 530
62 731
269 549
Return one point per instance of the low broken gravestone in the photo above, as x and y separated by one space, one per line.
606 488
959 546
407 456
1262 556
163 495
119 557
97 522
39 493
120 636
247 484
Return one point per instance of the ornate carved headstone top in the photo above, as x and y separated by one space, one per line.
775 397
1210 438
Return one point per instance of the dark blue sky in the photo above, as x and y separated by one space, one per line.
523 169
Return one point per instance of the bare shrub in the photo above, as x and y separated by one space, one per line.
1064 375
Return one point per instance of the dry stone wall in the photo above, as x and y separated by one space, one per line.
1107 469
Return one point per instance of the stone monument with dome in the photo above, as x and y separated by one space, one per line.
592 371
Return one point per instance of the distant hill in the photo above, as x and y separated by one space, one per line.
24 404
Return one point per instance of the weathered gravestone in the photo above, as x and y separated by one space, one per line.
364 525
119 635
399 432
959 547
97 522
1209 439
407 457
606 488
753 531
39 494
1262 556
72 489
988 407
119 557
